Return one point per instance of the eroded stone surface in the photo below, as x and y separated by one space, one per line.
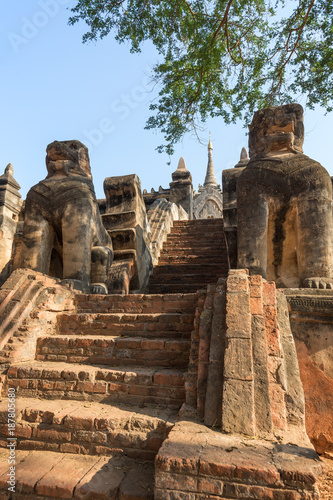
181 188
126 221
63 234
196 461
284 202
229 183
161 216
311 319
325 481
54 475
10 205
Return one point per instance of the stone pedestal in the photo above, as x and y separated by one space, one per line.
243 372
10 206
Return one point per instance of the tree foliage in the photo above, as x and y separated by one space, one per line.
222 57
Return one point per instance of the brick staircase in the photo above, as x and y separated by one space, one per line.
106 385
101 394
193 256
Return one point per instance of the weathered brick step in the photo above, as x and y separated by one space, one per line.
48 475
213 249
143 325
198 222
87 428
137 303
202 232
199 235
167 278
213 240
198 240
172 257
188 229
132 385
190 259
191 253
186 269
201 281
114 351
176 287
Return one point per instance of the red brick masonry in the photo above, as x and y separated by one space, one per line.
197 463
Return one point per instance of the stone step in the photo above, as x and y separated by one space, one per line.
172 325
132 385
199 238
188 232
176 287
209 250
195 248
192 226
211 255
115 351
196 239
48 475
174 257
185 269
137 303
183 259
168 278
198 222
181 271
176 284
199 234
87 428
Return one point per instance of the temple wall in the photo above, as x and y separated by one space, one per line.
311 319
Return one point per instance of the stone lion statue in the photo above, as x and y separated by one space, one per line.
63 234
284 202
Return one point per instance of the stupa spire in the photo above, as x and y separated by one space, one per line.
182 165
210 179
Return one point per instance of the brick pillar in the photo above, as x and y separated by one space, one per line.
238 414
262 401
276 360
181 188
10 206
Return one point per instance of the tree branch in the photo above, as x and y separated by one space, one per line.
190 9
225 18
300 30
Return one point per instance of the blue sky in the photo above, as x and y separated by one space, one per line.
55 88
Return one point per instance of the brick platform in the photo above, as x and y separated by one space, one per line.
48 475
197 463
